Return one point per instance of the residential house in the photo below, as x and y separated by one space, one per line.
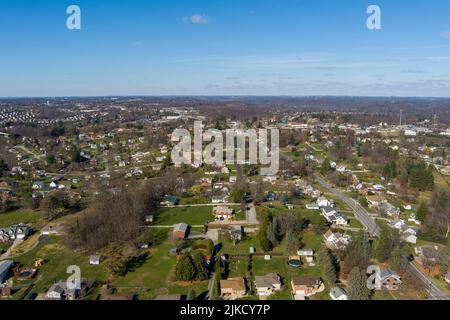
223 213
306 286
180 231
16 232
308 254
337 293
233 288
54 185
219 199
268 284
53 230
235 233
373 200
388 280
169 201
271 196
409 234
336 241
225 170
38 185
427 254
324 202
333 216
396 224
5 270
389 209
94 260
60 291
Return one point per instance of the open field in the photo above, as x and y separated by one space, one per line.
25 216
190 215
156 276
57 259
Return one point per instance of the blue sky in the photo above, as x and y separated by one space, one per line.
224 47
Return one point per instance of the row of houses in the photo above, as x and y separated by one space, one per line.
15 232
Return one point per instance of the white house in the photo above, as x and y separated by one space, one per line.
324 202
336 240
268 284
59 291
94 260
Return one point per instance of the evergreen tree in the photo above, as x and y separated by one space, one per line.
383 247
185 269
192 295
443 261
3 167
358 253
357 285
398 261
199 261
325 167
422 212
265 243
327 265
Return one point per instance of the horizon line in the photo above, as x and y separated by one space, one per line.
218 96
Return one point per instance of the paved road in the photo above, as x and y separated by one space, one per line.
360 213
214 236
433 290
369 223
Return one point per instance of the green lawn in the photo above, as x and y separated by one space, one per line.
241 248
30 217
277 265
57 259
189 215
156 276
312 240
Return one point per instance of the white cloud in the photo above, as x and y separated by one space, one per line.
197 19
446 34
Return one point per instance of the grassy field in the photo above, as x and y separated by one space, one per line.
242 247
30 217
190 215
156 276
277 265
312 240
57 259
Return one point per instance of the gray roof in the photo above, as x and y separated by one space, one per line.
328 209
61 288
267 281
181 227
386 273
5 266
337 292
